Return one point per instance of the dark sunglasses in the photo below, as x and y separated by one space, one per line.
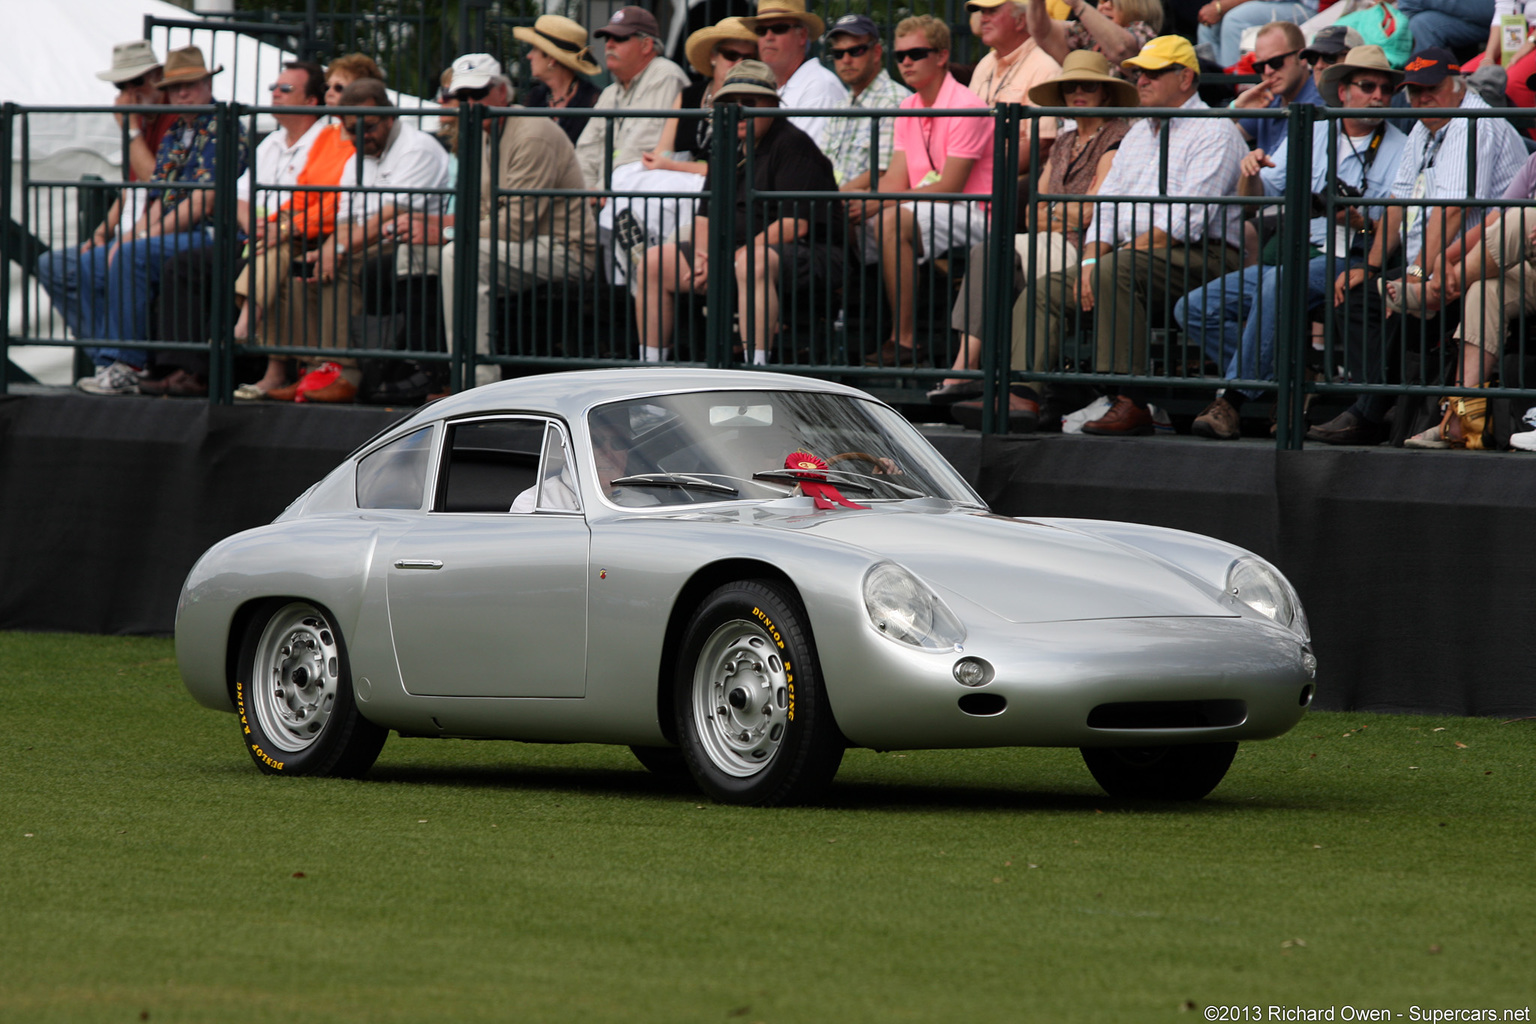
369 123
1274 63
914 54
280 87
735 55
1372 88
335 87
1326 58
852 51
751 101
473 95
133 83
778 28
1090 87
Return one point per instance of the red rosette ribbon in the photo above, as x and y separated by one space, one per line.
813 484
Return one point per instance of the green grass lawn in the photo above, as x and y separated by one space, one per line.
150 872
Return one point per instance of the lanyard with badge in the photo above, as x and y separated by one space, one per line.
1341 232
1421 180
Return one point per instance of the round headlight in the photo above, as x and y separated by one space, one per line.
904 608
1261 587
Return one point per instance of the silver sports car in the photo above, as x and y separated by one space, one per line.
738 575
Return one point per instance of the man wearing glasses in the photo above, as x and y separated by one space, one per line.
642 80
853 46
1286 80
784 29
395 154
1014 65
1331 45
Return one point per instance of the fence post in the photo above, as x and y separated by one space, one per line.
997 310
226 177
1293 339
466 249
721 241
7 182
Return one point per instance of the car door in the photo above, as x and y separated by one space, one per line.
488 594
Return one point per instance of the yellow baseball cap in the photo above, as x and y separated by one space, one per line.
1164 52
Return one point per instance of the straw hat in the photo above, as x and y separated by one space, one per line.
786 10
1361 58
129 61
1085 66
186 65
562 40
749 78
701 45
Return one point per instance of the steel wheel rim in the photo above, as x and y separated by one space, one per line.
740 698
295 677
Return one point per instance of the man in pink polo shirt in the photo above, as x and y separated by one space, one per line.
933 157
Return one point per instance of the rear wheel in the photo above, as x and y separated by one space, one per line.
293 689
752 716
1185 772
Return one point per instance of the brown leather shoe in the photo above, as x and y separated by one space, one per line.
286 393
1348 427
1124 419
1219 422
338 391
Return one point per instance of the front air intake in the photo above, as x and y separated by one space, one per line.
1169 714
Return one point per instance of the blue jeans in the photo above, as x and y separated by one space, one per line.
1457 25
1226 37
113 302
1236 318
59 272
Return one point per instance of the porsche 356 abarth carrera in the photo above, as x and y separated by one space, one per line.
738 575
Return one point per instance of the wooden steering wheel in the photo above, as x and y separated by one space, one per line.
859 456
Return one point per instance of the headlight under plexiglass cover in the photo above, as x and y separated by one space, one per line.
906 609
1261 587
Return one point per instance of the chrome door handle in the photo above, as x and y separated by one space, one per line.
418 563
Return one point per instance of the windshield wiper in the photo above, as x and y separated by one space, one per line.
869 484
679 480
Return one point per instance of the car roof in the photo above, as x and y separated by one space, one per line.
571 393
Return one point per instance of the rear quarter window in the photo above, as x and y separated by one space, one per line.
395 476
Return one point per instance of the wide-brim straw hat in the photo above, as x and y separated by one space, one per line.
186 65
1085 66
749 78
786 10
129 61
701 45
562 40
1361 58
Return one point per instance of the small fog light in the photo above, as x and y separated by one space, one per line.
972 672
1309 664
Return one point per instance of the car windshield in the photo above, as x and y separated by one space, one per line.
725 445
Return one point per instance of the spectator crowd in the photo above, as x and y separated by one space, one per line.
1155 247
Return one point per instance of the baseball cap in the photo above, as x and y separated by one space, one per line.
1164 52
1430 66
1331 42
629 21
853 25
474 71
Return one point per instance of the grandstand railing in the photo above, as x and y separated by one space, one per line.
830 325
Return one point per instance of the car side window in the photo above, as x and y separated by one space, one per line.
491 465
557 485
395 476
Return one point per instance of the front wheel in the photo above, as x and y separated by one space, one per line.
753 719
1185 772
293 690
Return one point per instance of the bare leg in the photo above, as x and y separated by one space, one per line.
898 265
758 306
664 274
968 358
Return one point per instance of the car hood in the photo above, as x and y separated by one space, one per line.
1024 571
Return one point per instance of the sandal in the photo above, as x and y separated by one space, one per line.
249 393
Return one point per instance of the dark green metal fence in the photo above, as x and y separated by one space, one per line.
833 325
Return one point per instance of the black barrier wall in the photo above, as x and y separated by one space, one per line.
1415 568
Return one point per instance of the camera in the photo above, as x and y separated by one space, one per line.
1341 194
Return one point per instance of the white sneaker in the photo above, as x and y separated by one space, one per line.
1161 424
1072 422
1525 442
115 379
